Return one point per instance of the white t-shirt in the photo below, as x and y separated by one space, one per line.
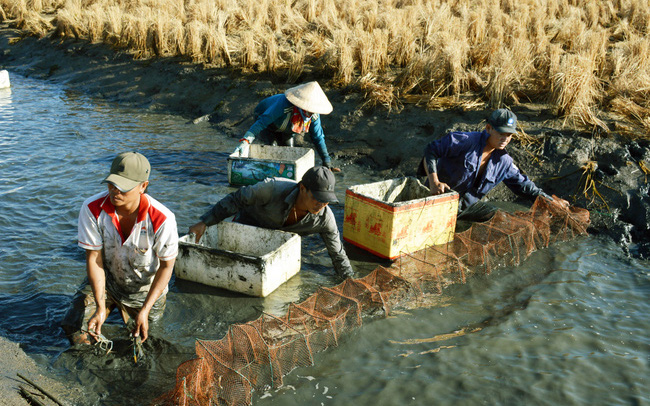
130 265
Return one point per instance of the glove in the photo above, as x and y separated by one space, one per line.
242 149
244 144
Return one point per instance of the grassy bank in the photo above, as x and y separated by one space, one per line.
588 59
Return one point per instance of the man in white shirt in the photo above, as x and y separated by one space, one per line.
131 243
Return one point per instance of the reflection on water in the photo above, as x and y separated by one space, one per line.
5 103
568 326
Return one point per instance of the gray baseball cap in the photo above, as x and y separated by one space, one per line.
503 120
128 170
320 181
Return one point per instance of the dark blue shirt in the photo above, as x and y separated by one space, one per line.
275 113
456 158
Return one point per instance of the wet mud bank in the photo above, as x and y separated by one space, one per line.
14 361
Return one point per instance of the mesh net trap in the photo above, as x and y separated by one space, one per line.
259 354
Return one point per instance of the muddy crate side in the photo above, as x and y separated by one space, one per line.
409 222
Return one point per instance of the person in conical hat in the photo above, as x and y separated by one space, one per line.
282 117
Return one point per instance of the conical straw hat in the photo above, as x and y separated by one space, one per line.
310 97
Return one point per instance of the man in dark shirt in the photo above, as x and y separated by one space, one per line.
287 205
472 163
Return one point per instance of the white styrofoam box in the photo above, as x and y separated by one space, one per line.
240 258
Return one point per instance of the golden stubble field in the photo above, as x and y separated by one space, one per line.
588 59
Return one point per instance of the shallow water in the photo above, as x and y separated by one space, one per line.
568 326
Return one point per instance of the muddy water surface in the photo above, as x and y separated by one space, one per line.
569 326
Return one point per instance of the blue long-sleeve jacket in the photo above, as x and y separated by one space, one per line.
456 158
274 113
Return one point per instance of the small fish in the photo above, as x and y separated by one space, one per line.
138 352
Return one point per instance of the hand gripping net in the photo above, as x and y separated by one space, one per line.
258 354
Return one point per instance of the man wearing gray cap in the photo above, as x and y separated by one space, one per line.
131 242
287 205
472 163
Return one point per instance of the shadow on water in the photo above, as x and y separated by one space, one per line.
204 167
514 294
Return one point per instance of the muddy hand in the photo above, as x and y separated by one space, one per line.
95 323
439 188
198 229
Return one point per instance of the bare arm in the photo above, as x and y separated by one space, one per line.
97 281
435 186
160 281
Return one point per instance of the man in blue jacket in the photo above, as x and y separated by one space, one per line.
472 163
280 117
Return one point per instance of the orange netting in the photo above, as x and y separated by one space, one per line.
258 354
